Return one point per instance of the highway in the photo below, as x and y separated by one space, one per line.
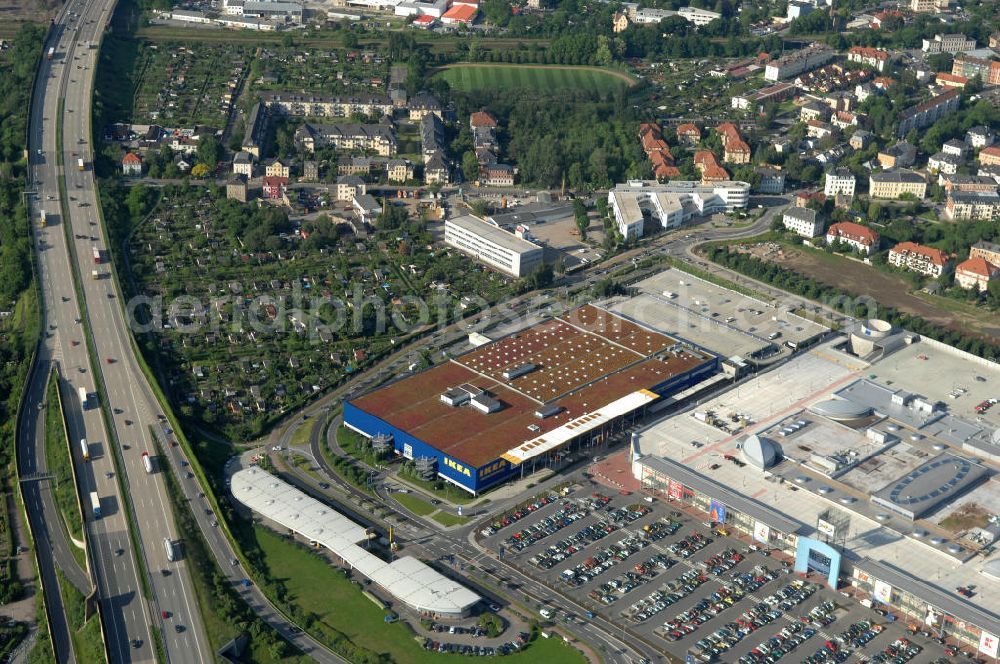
128 616
135 411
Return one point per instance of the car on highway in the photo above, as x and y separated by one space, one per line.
136 643
109 360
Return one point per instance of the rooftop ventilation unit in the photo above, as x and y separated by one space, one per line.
548 411
518 371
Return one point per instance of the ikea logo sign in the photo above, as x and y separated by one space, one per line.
457 467
492 469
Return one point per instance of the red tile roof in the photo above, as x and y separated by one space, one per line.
483 119
853 231
979 267
935 256
131 158
460 13
867 52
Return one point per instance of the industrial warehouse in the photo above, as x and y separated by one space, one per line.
518 402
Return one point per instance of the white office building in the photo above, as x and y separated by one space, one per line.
697 16
671 204
492 246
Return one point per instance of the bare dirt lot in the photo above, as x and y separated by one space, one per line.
15 12
889 289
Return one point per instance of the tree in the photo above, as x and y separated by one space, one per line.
200 170
470 166
582 221
392 217
209 150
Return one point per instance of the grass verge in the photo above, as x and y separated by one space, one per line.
60 465
333 602
448 519
417 505
86 634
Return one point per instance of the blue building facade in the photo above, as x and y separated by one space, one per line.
477 479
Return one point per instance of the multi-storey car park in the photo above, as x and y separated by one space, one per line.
513 404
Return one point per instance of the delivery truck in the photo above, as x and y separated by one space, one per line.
95 275
171 550
41 218
97 256
85 448
83 397
95 504
147 462
79 164
52 52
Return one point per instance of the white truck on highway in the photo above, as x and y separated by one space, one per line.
85 448
95 504
84 397
170 549
41 218
147 462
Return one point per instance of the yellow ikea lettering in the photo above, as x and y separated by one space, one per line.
457 467
494 467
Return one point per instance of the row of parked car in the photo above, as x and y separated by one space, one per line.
690 545
899 651
507 648
791 595
659 529
709 607
781 644
567 513
565 548
668 594
721 562
519 513
642 573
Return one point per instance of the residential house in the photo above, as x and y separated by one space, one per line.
619 22
423 103
436 170
243 164
278 169
986 250
497 175
366 207
688 134
954 43
482 119
310 171
813 110
900 155
819 130
862 238
802 221
955 147
989 156
941 162
896 183
131 165
980 137
839 181
860 139
962 182
919 258
274 187
708 165
976 273
734 149
929 6
771 180
349 187
927 113
398 170
236 189
377 138
870 57
973 205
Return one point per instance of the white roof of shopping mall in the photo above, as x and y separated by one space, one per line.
778 404
407 579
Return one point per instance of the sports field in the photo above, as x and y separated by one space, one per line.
539 78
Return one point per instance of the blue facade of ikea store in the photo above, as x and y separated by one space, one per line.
473 480
478 479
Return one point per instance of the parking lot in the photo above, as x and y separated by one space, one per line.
690 588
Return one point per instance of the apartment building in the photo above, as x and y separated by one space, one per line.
797 62
697 16
973 206
672 203
929 6
377 138
919 258
955 43
969 66
857 236
989 156
755 101
734 149
893 184
492 246
976 274
839 181
802 221
875 58
986 250
929 112
309 106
